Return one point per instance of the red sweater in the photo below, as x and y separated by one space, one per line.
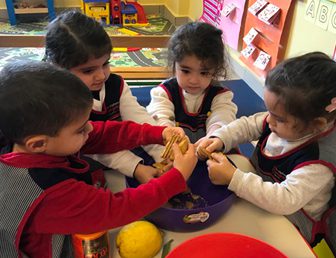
72 206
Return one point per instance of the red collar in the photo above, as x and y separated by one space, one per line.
26 160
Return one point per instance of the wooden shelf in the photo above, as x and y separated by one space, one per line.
30 10
12 11
141 72
142 41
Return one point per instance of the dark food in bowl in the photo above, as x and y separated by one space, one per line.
187 200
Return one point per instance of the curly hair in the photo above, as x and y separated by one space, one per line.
202 40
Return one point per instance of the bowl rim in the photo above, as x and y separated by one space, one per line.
220 234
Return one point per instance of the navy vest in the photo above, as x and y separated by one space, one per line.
194 124
110 108
276 169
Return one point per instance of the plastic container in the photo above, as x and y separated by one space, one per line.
218 198
228 245
91 245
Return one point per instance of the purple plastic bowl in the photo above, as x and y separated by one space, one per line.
219 200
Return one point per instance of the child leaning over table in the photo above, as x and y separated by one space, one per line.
81 45
47 190
193 98
295 157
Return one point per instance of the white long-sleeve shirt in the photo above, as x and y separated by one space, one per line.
130 109
308 187
223 110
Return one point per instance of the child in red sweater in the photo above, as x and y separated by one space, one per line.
47 188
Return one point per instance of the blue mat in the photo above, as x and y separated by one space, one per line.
245 98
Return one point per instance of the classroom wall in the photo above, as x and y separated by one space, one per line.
178 7
152 2
301 30
195 9
66 3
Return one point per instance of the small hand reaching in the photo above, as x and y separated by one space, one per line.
185 163
143 173
168 133
220 169
208 144
168 165
163 166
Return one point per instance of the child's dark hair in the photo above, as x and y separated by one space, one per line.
39 98
305 85
73 38
202 40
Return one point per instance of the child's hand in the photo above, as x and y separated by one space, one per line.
220 169
185 163
168 132
143 173
163 166
210 144
168 166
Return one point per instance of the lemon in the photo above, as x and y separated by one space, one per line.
139 239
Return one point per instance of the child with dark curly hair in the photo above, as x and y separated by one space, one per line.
193 98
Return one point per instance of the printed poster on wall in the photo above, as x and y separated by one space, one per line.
231 22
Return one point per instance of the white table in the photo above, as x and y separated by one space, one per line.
243 217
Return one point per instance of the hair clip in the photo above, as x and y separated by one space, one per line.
331 107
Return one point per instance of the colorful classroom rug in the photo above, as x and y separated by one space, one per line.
145 57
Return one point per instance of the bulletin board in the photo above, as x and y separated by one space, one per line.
226 15
230 21
264 38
